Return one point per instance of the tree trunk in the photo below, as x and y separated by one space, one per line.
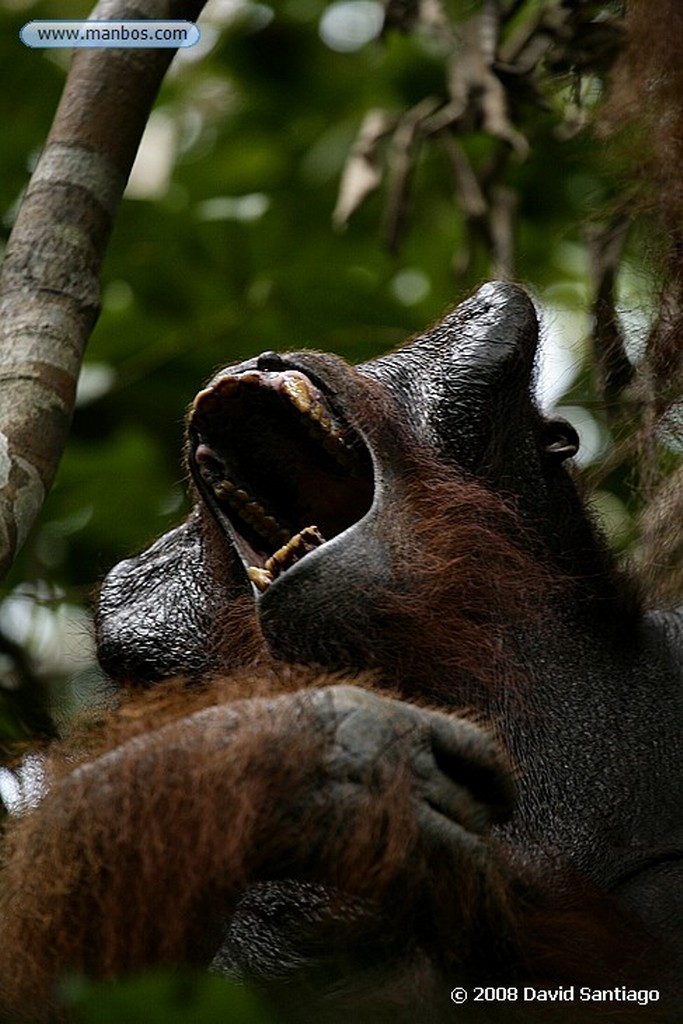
49 288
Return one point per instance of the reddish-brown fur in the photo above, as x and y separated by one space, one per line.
122 866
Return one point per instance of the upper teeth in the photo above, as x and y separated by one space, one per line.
300 393
248 508
319 424
297 391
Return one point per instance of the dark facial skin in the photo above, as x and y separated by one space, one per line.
459 393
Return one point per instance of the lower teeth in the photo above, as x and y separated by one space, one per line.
261 578
285 557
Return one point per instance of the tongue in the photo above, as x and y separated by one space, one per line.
284 558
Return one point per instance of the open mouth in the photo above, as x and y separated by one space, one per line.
282 471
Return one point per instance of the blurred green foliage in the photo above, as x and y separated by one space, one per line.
164 999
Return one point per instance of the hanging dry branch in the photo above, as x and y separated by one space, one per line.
605 247
364 167
499 64
49 289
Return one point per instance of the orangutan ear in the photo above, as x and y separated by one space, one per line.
560 440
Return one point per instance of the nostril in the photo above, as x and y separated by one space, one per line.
269 361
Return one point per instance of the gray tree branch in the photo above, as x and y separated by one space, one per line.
49 287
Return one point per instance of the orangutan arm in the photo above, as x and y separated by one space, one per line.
136 858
